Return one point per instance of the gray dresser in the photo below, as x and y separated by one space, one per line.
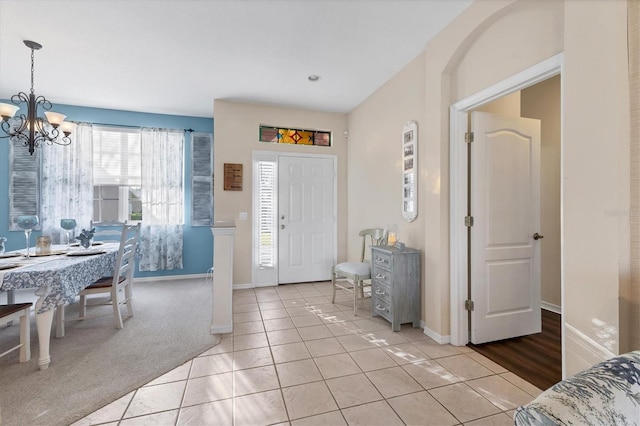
395 285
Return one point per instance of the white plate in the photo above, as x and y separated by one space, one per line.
8 255
51 253
8 265
88 252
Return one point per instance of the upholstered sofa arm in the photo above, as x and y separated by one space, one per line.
605 394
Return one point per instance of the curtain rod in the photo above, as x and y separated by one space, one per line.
137 127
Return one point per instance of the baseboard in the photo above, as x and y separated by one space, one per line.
170 278
581 351
443 340
551 307
251 285
222 329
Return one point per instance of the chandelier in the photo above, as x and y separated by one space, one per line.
30 130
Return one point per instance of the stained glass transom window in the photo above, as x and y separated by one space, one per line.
295 136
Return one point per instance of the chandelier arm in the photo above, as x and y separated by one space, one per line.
65 140
20 98
43 102
6 127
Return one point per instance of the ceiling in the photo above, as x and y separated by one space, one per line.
176 57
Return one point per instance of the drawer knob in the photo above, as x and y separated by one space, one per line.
381 259
378 291
379 276
381 308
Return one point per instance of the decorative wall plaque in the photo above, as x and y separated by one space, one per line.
232 177
410 171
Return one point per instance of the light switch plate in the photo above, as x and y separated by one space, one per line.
243 215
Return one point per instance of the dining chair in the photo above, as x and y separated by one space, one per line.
107 231
357 272
21 311
121 281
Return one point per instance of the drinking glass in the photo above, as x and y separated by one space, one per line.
28 223
68 225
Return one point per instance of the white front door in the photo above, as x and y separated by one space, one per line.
306 217
505 205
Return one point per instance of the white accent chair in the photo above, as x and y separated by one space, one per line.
357 272
122 279
21 311
116 287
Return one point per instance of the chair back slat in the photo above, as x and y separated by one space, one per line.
376 237
125 262
107 231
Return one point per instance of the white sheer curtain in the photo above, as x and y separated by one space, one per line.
162 199
67 187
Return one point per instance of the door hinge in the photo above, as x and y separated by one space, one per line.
468 305
468 221
468 137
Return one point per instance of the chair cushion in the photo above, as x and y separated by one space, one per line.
605 394
105 282
6 310
354 268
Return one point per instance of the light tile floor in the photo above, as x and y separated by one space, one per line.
294 358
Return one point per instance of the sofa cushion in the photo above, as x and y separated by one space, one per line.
605 394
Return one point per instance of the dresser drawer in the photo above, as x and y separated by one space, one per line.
381 259
382 308
381 275
381 290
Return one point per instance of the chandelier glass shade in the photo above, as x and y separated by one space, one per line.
32 130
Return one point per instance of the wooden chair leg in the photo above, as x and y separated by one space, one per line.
127 294
25 336
355 296
116 309
82 309
333 284
60 321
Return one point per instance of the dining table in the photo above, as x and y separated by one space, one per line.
57 277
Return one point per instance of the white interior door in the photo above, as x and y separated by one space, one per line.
505 205
306 217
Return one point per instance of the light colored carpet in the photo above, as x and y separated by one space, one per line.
95 363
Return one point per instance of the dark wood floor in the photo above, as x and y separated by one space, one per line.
537 358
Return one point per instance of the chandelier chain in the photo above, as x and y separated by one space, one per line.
32 70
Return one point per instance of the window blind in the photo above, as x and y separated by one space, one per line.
266 214
116 156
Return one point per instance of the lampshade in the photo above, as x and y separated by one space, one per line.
8 110
67 127
54 118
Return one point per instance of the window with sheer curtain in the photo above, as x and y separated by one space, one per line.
116 174
100 159
66 187
161 235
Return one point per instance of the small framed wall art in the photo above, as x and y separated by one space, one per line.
410 171
232 177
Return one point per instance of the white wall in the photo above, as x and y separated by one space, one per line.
236 129
542 101
489 41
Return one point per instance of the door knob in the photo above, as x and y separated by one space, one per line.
281 226
537 236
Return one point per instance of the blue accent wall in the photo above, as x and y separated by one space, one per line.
198 241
